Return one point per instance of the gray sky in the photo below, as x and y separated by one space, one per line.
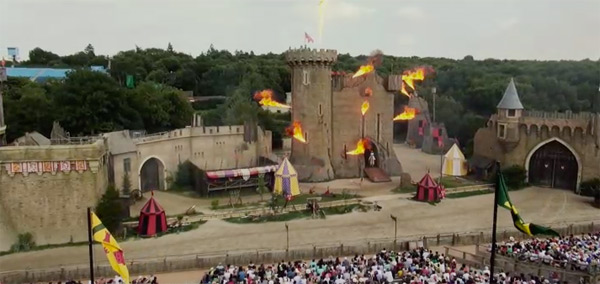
519 29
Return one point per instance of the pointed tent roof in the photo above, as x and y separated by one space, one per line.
454 153
151 207
427 182
286 179
510 100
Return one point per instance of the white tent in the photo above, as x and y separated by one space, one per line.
455 163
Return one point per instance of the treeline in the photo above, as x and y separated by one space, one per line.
467 89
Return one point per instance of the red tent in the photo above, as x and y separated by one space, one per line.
152 218
428 190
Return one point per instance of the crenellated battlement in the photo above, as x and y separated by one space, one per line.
306 55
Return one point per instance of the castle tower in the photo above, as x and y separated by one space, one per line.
510 111
312 108
2 123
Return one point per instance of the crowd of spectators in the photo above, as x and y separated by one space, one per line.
418 266
580 253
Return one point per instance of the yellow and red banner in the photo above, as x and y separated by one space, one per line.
113 251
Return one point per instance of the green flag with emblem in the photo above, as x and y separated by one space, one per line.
529 229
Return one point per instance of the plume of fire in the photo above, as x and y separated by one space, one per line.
409 77
361 146
375 59
265 98
364 69
321 18
364 107
408 114
368 92
295 130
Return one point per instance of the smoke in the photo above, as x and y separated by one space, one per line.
376 57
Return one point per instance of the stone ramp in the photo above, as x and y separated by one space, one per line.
377 175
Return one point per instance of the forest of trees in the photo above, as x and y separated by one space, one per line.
88 102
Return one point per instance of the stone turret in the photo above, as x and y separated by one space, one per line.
312 108
510 110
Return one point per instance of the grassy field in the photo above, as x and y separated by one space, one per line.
295 215
467 194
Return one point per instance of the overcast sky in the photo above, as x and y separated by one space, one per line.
519 29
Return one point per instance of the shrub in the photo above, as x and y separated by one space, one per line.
108 210
589 187
24 243
214 205
262 187
515 176
126 186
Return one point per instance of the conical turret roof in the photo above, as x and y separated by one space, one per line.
510 100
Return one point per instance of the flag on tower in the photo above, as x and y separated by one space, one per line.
113 251
308 38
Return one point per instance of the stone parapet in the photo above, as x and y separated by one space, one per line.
305 55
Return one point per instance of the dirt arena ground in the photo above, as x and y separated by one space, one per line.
472 214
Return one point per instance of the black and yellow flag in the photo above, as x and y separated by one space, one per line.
113 251
529 229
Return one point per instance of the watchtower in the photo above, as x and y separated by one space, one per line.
312 109
510 110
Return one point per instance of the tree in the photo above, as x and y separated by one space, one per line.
27 108
90 102
89 50
108 210
126 185
38 56
170 47
161 107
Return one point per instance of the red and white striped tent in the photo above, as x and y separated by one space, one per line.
153 219
428 190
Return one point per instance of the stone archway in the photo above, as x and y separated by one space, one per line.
152 175
553 163
371 149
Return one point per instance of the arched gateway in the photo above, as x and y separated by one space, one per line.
152 175
553 163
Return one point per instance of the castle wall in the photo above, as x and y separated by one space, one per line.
209 148
413 136
119 169
347 124
531 132
40 196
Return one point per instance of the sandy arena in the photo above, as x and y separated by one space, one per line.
472 214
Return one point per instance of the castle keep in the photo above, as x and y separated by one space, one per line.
328 106
557 149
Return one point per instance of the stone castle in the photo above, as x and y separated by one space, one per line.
328 106
45 188
557 149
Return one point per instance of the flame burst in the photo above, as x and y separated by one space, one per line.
321 18
408 114
364 69
265 98
295 130
409 77
361 146
364 107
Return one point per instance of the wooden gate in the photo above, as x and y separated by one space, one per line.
553 165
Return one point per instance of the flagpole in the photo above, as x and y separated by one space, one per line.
494 225
91 251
